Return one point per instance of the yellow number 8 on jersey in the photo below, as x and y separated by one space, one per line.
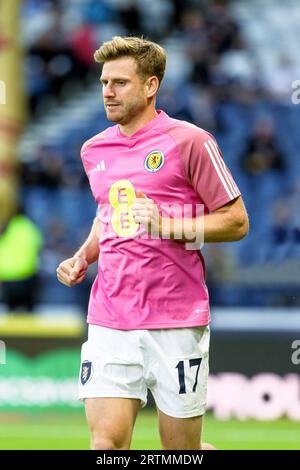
121 197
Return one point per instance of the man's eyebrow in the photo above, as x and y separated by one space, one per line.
102 79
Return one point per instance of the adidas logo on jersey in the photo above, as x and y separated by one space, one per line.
100 166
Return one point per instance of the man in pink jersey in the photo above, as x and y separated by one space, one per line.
160 185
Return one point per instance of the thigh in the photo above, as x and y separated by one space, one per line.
111 422
180 433
178 370
111 365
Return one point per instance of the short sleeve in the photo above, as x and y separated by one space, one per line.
209 175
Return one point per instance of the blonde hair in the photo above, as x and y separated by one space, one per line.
150 58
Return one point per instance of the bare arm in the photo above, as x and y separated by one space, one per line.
229 223
89 251
73 270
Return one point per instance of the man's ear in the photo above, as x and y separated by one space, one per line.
152 86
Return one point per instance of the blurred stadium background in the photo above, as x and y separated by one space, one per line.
232 69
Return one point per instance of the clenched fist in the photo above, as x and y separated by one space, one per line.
145 212
72 271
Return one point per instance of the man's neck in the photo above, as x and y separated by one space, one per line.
135 125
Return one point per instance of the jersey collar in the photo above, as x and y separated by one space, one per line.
155 122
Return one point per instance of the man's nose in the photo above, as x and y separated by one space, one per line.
108 91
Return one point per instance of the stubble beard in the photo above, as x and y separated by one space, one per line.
129 112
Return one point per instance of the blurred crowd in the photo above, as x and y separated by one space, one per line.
60 37
218 90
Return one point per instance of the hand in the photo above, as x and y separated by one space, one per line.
72 271
145 212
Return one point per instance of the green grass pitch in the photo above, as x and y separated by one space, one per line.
69 431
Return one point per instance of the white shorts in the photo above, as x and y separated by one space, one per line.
172 363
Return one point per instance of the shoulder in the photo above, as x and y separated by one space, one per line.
97 139
183 131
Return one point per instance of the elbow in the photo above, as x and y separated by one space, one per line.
242 228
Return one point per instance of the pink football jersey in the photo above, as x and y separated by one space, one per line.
148 282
